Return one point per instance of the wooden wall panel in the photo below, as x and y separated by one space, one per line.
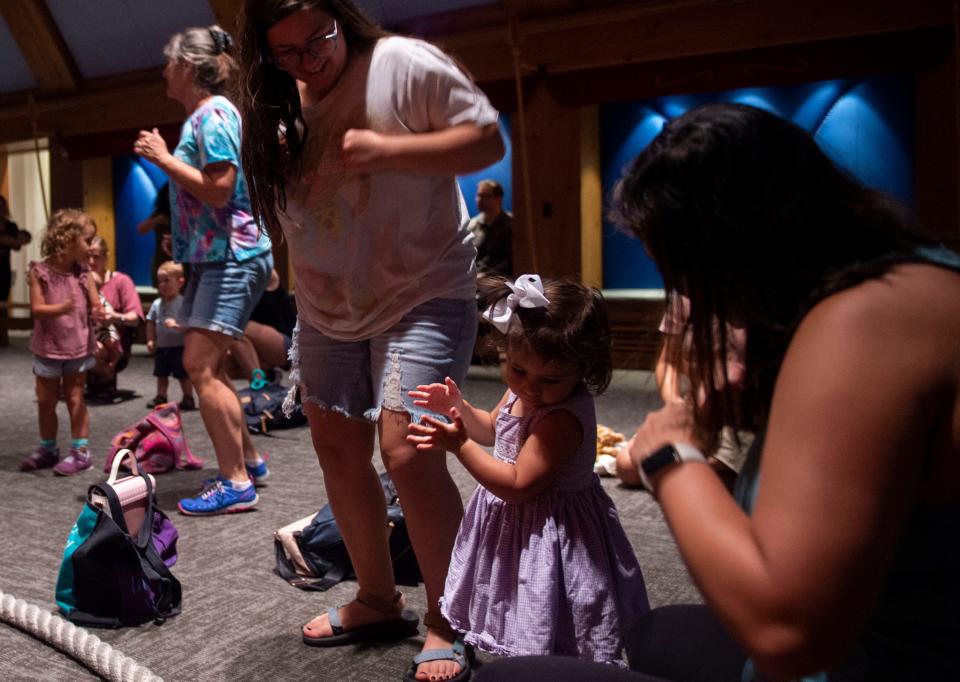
98 201
553 144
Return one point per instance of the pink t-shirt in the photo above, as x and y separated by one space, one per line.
68 336
121 293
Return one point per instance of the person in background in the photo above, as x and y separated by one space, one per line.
353 141
11 239
65 306
267 338
121 293
838 557
158 222
492 230
212 229
165 336
109 347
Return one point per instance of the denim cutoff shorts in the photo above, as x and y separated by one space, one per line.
221 296
358 378
51 368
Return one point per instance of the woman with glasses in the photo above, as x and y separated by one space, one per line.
353 139
214 231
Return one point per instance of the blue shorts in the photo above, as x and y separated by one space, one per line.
221 296
50 368
358 378
167 361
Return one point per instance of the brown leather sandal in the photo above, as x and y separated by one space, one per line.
398 623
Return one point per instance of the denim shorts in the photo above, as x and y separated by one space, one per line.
50 368
358 378
221 296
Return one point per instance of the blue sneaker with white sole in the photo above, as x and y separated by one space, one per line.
258 473
220 497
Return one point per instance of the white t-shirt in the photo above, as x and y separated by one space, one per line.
369 247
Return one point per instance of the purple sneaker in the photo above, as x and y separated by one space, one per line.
77 460
42 458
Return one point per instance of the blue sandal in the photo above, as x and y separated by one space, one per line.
460 653
398 624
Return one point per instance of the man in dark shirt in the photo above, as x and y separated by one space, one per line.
11 238
492 230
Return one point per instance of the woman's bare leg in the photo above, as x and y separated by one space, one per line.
433 509
344 449
219 406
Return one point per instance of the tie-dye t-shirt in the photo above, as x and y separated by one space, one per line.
201 232
367 248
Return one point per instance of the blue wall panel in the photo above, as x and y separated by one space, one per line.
135 185
866 126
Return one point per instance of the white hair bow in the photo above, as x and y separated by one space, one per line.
527 293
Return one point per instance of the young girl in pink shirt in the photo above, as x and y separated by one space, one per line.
64 304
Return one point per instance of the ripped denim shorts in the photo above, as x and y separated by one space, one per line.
358 378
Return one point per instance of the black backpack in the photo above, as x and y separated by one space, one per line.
326 555
263 409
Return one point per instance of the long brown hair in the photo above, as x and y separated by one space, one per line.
274 130
744 213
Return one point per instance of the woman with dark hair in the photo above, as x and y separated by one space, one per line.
214 231
353 139
841 560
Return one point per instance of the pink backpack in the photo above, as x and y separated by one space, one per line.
157 441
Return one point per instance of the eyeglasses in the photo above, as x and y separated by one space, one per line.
321 46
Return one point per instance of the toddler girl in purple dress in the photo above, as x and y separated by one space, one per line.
541 564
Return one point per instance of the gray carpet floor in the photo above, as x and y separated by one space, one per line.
239 620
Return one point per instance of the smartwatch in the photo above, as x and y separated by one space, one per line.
665 457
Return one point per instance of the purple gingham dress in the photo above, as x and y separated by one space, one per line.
554 575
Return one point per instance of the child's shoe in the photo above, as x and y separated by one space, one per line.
220 497
158 399
42 458
187 404
77 460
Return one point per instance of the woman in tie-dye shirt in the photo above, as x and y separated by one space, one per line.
213 230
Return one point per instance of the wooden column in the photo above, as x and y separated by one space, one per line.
66 178
98 201
553 143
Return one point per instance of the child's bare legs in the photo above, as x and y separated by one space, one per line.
433 510
186 388
73 393
163 383
48 394
344 449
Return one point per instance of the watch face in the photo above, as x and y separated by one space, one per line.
663 457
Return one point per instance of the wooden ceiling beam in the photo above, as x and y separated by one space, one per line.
138 105
641 33
673 29
42 45
227 12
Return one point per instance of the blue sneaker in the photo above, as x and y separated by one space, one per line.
220 497
258 473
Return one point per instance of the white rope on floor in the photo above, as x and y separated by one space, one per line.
74 641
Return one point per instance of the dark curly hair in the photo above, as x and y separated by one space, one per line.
572 328
744 214
274 130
